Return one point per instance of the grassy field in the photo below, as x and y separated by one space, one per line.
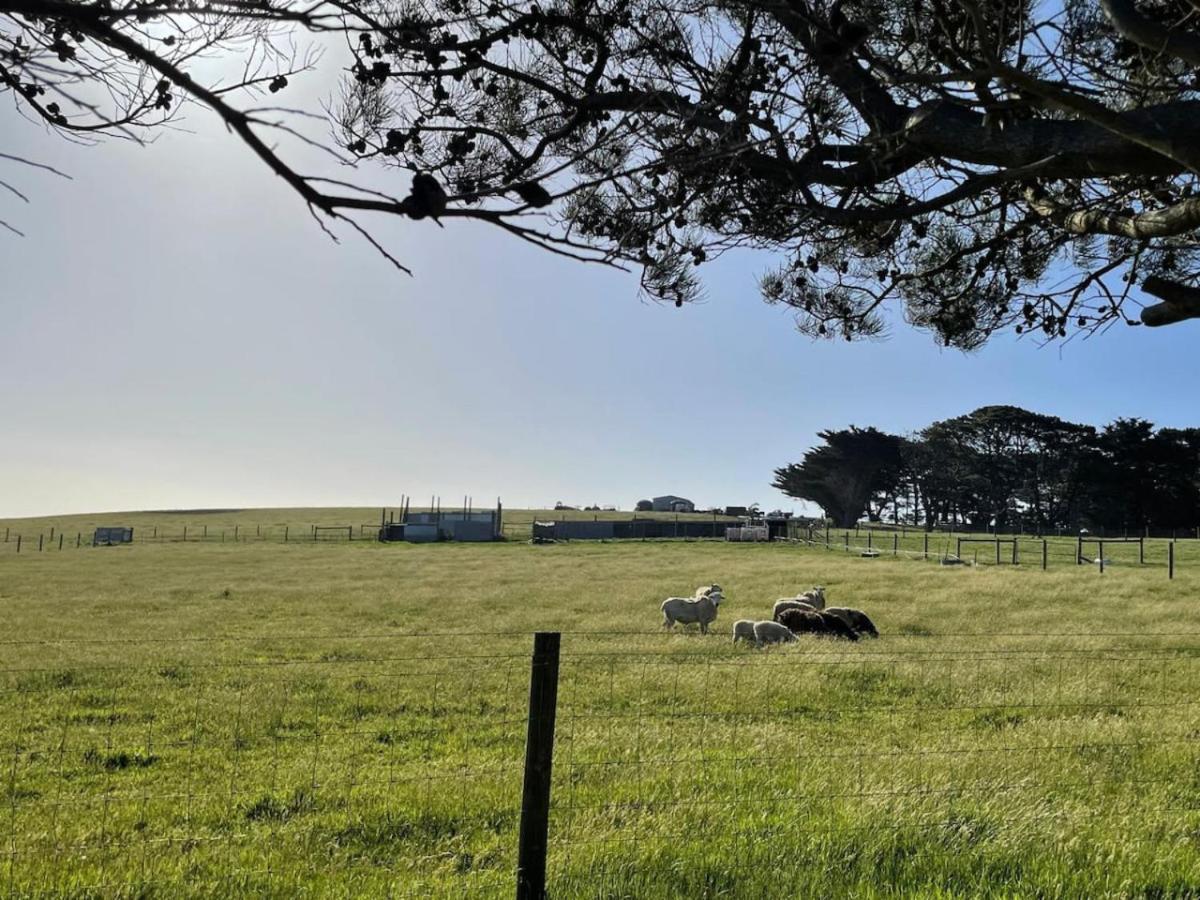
259 719
228 525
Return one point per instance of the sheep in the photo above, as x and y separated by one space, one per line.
743 630
800 621
790 603
855 618
706 590
814 598
687 610
771 633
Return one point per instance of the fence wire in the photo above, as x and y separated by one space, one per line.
390 765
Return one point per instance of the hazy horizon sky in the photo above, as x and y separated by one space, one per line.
176 332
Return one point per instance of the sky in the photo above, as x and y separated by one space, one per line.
176 332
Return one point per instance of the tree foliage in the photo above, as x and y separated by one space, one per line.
987 164
842 476
1006 468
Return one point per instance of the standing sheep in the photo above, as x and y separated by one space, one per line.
707 590
743 630
815 597
687 610
771 633
855 618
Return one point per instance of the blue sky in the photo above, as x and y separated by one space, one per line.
175 331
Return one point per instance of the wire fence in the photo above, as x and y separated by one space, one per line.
391 765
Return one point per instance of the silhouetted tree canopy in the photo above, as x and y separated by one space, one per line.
842 476
985 164
1006 468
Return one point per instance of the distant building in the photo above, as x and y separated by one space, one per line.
671 503
737 511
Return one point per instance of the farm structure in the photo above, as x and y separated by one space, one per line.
107 537
671 503
437 524
632 529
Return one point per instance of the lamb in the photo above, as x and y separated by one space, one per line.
790 603
771 633
800 621
814 598
743 630
702 610
855 618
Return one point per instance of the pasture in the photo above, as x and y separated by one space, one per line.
349 720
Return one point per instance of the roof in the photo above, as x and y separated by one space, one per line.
672 497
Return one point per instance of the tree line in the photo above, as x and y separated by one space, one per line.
1008 469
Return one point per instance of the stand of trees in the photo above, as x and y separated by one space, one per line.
1006 468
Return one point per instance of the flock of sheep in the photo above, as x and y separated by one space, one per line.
805 613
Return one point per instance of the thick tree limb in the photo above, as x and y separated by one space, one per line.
1177 219
1135 27
1180 302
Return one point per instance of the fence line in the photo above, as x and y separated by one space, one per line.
401 772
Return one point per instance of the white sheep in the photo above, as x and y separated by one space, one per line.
743 630
772 633
708 590
686 610
814 598
790 603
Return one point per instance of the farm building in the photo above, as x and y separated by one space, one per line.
108 536
633 529
445 525
671 503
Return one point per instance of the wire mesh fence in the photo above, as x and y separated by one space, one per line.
391 765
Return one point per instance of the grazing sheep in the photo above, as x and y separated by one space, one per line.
743 630
790 603
771 633
707 590
800 621
855 618
687 610
814 598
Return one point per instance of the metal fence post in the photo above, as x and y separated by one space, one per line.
926 551
1044 545
539 758
895 544
1171 560
1101 545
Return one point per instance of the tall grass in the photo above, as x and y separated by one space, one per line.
269 720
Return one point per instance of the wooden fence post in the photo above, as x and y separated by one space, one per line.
18 543
847 542
895 544
1079 551
285 533
1171 560
997 548
60 539
870 535
1142 551
1044 545
927 545
40 536
185 533
78 538
1101 546
539 759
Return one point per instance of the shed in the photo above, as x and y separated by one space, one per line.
671 503
110 535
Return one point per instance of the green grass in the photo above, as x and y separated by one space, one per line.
244 525
259 719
